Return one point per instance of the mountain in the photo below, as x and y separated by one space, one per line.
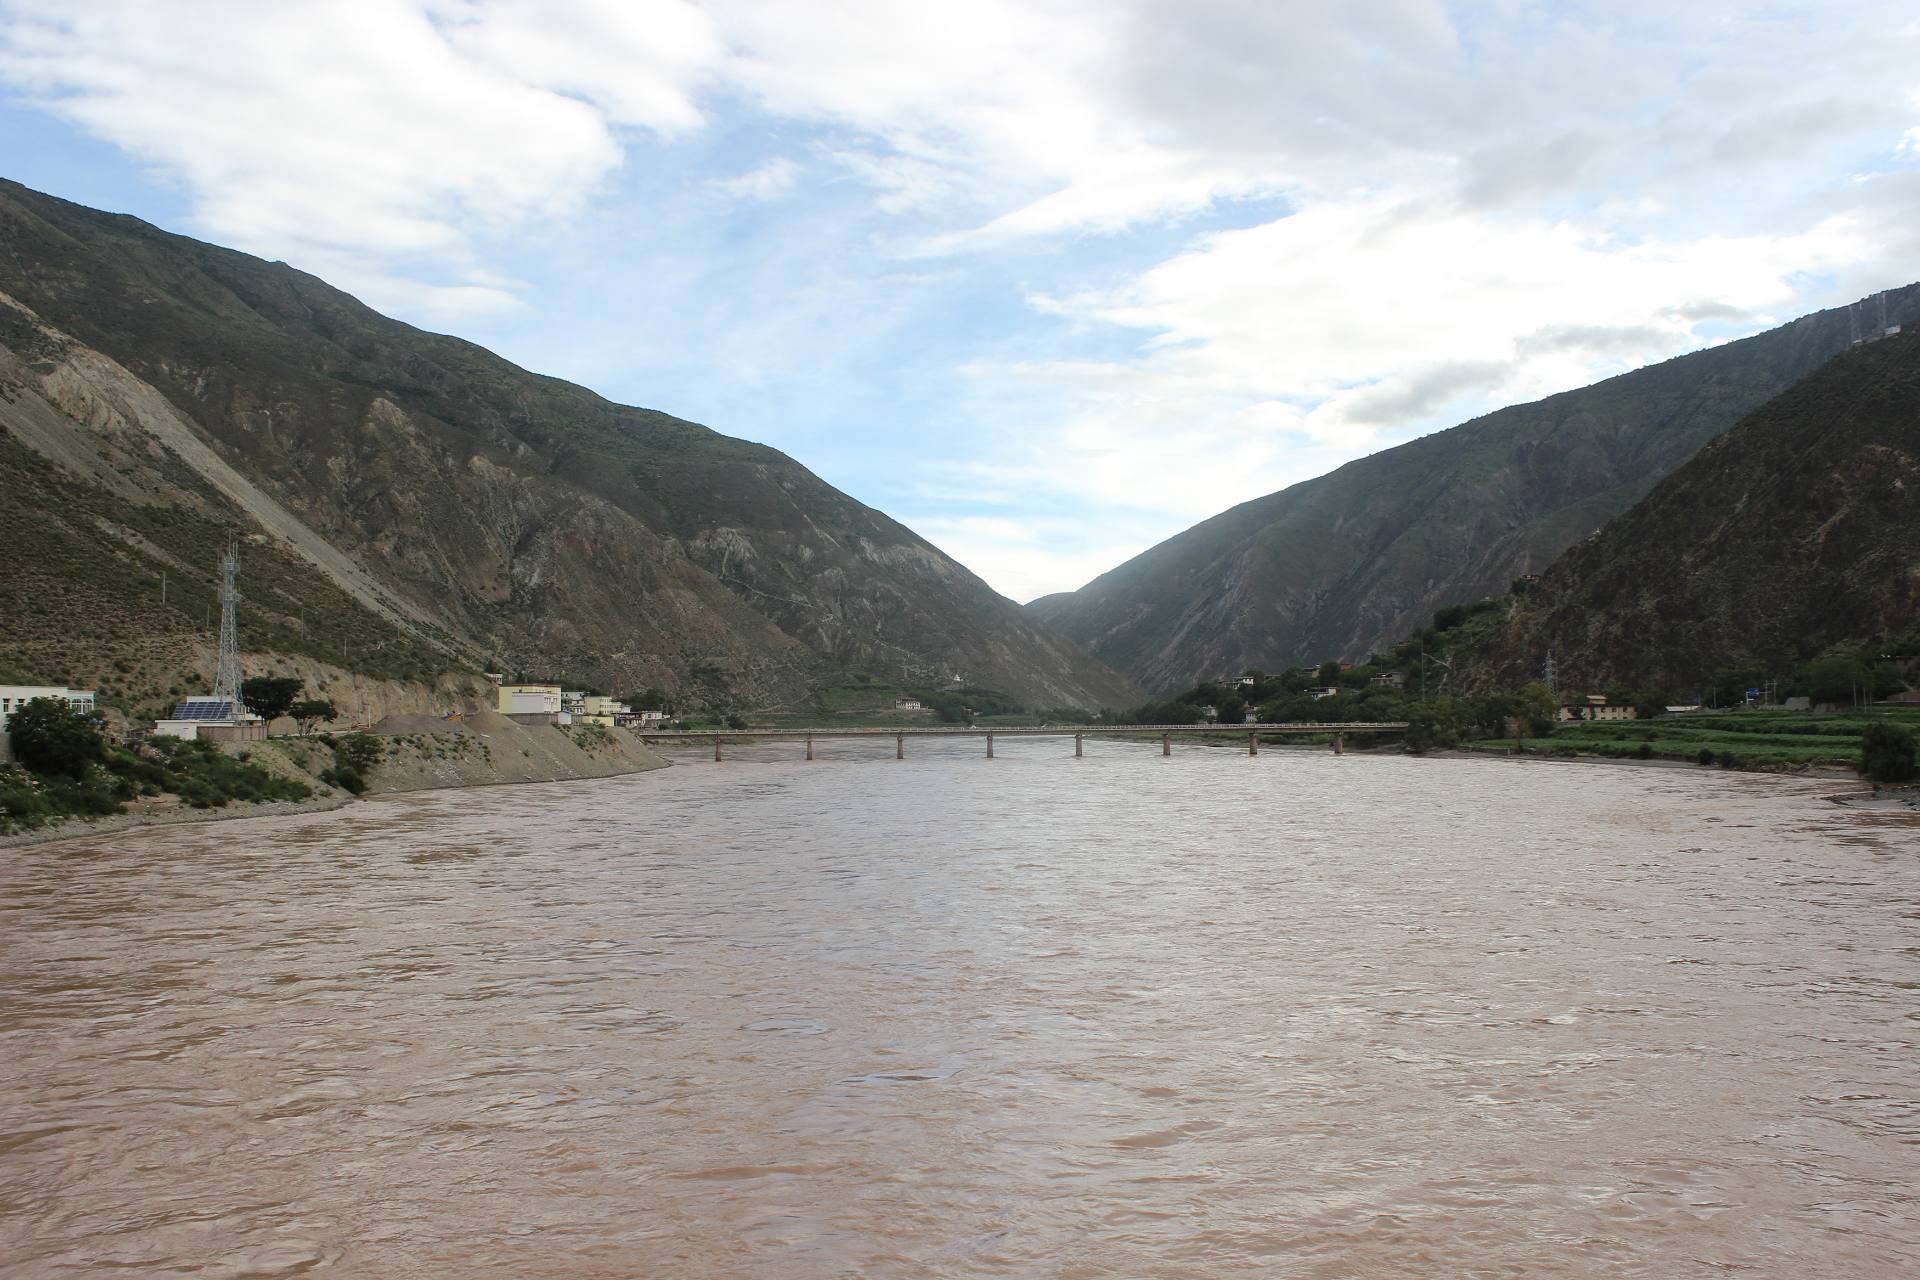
410 501
1795 532
1353 561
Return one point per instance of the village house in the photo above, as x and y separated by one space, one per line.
595 708
1595 706
15 696
1389 679
907 704
1328 691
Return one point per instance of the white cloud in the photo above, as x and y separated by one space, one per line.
384 130
1025 559
770 181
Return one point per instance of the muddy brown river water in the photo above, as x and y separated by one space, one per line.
1293 1016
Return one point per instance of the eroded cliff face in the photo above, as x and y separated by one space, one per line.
1795 532
469 509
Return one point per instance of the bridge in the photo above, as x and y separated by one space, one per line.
1079 733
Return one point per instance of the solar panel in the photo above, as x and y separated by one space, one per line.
205 709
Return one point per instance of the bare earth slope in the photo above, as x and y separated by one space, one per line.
465 502
1357 559
1796 531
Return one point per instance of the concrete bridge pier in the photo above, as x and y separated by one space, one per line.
1076 746
1166 744
989 746
899 746
809 746
1339 744
1253 744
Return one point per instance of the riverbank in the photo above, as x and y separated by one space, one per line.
417 753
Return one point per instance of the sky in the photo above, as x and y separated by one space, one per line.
1048 281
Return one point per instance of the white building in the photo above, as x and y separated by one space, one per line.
15 696
215 719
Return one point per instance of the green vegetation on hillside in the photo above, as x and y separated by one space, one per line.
1744 740
1782 555
67 769
106 593
1347 562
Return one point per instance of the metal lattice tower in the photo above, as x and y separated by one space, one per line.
1552 678
226 671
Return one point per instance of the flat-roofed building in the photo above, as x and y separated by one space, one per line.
530 703
15 696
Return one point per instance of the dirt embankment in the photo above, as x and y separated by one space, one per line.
425 752
418 753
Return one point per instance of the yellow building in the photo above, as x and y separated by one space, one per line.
529 699
597 708
1596 707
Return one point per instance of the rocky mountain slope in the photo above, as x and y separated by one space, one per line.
1795 532
1352 561
412 501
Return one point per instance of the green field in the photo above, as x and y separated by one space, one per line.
1743 740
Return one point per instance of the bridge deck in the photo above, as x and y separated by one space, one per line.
1024 731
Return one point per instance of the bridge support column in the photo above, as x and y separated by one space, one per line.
1253 744
1339 744
1076 746
809 746
989 746
899 746
716 748
1166 744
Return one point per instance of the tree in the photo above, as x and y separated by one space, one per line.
51 737
1836 678
1887 754
651 698
1649 703
1730 685
1432 722
1536 710
1329 674
313 711
270 697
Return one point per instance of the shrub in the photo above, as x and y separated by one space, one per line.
1887 754
353 757
1705 756
50 737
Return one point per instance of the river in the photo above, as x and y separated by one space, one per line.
1209 1016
